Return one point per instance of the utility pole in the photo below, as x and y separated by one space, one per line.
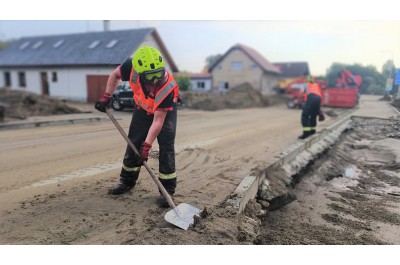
391 70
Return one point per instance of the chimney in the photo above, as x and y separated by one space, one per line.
106 24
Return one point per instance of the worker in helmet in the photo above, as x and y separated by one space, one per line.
311 108
155 93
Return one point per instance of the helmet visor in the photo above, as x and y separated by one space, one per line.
151 76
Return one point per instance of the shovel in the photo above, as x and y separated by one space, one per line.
183 215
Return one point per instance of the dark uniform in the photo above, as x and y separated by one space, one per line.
311 109
138 130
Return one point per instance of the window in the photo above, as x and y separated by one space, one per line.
7 79
21 79
223 85
58 43
24 45
236 66
200 85
37 45
94 44
112 43
54 77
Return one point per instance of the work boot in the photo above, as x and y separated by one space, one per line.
127 181
304 135
120 188
312 132
162 201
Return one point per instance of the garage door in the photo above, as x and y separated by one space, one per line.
96 85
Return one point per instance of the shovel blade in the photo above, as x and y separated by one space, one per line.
182 215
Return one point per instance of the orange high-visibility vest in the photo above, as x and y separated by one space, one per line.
313 89
149 104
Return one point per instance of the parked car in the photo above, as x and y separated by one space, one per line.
123 97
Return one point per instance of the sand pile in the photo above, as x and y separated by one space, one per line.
19 104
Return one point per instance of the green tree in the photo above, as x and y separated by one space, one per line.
3 44
389 69
183 81
372 80
210 60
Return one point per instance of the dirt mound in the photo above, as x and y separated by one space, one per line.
242 96
19 104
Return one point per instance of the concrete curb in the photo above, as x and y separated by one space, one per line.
395 109
249 186
34 124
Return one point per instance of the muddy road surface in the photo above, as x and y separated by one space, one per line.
54 180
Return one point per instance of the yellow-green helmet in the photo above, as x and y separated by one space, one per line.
146 59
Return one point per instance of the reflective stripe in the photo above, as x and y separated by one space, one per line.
134 77
167 89
313 128
130 169
168 176
306 129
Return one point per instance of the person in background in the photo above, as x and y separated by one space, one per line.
155 116
311 108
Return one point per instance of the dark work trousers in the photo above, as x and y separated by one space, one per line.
138 130
310 112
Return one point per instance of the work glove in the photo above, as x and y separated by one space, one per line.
321 116
144 152
102 103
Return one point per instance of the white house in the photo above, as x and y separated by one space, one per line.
200 82
73 66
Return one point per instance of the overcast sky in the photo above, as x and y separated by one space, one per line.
363 37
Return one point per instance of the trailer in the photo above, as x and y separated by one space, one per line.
345 93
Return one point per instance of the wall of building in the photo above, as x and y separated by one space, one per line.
269 82
71 82
194 84
223 72
2 81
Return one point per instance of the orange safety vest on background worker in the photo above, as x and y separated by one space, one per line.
311 109
312 89
150 104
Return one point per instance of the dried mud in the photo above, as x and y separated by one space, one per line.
349 196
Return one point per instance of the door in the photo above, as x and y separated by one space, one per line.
45 83
96 85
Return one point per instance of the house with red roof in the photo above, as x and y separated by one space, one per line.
242 64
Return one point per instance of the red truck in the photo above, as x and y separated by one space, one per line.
343 95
